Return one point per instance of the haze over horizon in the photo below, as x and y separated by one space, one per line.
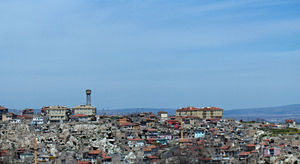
171 54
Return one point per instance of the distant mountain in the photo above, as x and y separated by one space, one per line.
273 114
18 111
135 110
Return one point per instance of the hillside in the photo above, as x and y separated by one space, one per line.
135 110
275 114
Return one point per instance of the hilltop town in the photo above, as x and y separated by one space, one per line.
62 135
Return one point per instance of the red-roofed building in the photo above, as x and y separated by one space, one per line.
151 158
3 110
3 153
27 112
137 142
162 114
80 117
244 154
24 117
290 123
99 155
151 140
203 113
250 147
44 110
8 116
173 124
95 152
84 162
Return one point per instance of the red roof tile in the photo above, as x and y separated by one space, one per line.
106 157
185 141
161 112
3 108
79 115
244 153
191 108
95 152
225 147
250 145
125 124
289 121
152 130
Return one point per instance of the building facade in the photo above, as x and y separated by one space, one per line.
87 109
27 112
58 113
8 116
162 114
203 113
84 109
3 111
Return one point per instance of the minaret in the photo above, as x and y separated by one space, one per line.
88 96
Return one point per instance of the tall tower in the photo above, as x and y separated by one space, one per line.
88 96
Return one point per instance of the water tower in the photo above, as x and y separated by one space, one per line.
88 96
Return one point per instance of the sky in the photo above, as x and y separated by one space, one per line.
158 54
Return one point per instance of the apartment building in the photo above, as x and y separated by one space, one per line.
58 113
3 111
204 113
84 109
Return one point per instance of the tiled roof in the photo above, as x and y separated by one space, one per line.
106 157
244 153
151 147
79 115
289 121
95 152
160 112
225 147
147 149
250 145
24 117
3 108
185 141
152 130
152 157
84 107
191 108
125 124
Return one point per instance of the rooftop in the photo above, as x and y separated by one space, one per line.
3 108
84 106
191 108
79 115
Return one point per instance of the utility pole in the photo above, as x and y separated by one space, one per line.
35 151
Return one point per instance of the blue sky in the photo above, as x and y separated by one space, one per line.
167 53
